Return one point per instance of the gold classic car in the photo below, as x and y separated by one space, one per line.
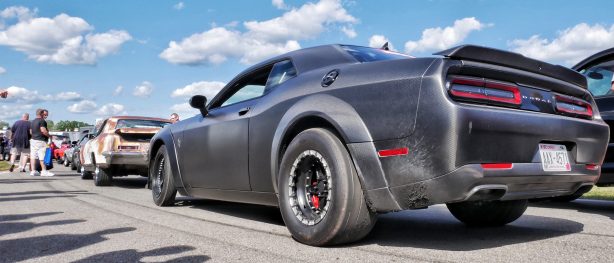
120 148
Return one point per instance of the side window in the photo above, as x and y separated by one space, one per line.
102 127
246 88
600 78
282 71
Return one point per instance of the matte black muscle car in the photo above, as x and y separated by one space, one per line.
336 134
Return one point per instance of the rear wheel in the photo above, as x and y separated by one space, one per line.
162 186
102 177
85 175
488 213
320 196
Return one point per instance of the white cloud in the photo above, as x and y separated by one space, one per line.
24 95
179 6
62 39
570 46
85 106
442 38
262 39
68 96
12 112
279 4
2 70
207 88
118 90
111 109
143 90
19 12
378 41
349 31
184 109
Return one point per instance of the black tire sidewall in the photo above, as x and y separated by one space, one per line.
340 165
168 191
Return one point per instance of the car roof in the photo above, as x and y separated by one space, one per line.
596 58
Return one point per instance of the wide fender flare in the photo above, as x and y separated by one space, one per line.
166 137
337 112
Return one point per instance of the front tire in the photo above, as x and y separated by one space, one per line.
162 185
66 162
102 177
488 213
320 195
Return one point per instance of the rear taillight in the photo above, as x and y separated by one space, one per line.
485 91
497 166
573 106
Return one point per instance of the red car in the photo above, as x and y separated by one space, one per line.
58 152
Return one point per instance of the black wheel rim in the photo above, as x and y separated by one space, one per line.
310 187
158 182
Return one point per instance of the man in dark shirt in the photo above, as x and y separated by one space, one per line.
38 143
20 137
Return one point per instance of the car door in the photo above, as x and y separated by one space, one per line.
599 72
214 152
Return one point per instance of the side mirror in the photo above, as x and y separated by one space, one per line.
73 143
199 102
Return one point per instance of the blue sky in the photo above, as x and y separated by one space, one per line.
84 60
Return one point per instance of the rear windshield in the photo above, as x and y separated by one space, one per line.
140 124
368 54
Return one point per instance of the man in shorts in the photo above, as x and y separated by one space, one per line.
38 143
20 137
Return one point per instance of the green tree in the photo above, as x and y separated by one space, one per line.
50 125
66 125
4 124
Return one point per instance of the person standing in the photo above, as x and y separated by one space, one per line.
3 145
38 143
20 137
3 93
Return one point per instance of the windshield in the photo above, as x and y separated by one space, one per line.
600 78
368 54
140 124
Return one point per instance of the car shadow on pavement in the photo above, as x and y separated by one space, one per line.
18 227
441 231
25 180
44 192
265 214
131 182
601 207
20 249
6 218
33 197
131 255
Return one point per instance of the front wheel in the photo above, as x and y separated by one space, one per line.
488 213
66 162
320 196
162 186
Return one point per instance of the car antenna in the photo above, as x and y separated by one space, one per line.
385 46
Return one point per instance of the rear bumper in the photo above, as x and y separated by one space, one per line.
471 182
124 158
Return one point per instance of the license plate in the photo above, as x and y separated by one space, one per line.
554 157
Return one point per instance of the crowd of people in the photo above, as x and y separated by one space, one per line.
29 141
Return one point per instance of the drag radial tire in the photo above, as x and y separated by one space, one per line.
488 213
162 186
320 195
102 177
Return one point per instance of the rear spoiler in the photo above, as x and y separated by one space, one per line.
514 60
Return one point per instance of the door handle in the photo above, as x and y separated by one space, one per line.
244 111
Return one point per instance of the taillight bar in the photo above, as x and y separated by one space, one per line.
573 106
487 91
497 166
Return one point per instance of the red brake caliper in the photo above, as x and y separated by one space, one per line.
315 200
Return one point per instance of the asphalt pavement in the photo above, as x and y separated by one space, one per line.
67 219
